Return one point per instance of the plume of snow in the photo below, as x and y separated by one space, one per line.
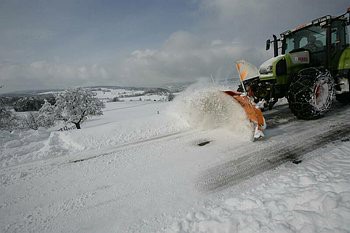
206 107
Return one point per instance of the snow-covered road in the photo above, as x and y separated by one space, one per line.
136 169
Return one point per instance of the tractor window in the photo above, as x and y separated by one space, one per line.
312 38
338 34
303 42
334 36
347 37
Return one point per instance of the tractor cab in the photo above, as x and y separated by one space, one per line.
311 64
325 39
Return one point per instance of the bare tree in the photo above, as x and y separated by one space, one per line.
76 105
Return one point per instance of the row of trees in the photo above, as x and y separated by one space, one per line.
26 102
72 106
171 96
32 103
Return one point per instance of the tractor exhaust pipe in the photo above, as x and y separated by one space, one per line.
275 46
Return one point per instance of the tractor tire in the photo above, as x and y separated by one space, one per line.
343 98
311 93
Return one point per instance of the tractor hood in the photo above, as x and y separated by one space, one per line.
267 66
293 59
278 68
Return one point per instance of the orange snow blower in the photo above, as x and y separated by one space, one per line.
247 71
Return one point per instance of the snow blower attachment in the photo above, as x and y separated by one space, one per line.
248 71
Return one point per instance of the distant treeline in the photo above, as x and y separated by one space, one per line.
27 103
33 102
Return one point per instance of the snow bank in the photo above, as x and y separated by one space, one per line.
125 123
208 108
313 196
19 147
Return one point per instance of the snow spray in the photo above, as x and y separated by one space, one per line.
207 107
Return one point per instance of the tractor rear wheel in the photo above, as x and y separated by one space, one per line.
311 93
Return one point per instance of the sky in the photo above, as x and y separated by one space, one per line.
47 44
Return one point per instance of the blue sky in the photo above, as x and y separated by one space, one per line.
69 43
75 30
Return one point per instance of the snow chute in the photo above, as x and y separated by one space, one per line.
248 71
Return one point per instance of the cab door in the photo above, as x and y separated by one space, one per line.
338 42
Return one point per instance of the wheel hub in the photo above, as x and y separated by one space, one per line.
321 94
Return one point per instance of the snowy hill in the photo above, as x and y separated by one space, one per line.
131 94
139 168
33 100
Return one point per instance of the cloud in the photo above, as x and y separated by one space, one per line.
184 57
251 22
44 74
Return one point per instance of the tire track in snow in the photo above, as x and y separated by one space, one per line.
235 171
123 146
280 115
9 175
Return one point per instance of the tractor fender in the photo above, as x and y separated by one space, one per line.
344 60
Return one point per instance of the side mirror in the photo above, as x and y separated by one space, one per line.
268 43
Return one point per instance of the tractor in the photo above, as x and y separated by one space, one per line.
313 66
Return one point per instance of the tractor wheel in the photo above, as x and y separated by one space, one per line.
344 98
311 93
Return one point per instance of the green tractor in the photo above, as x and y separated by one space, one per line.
313 66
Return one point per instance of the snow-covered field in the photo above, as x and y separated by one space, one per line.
128 95
138 168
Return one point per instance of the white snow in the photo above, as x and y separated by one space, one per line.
311 197
210 108
124 123
138 168
19 147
